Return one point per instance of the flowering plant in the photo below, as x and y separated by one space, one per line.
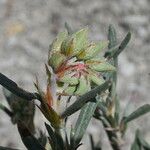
78 69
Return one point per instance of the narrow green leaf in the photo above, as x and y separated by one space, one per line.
123 44
32 143
115 51
28 139
117 109
142 141
136 145
92 142
93 146
112 37
42 138
84 118
69 30
137 113
52 137
81 101
56 140
6 148
15 89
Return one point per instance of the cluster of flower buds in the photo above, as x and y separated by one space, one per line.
77 63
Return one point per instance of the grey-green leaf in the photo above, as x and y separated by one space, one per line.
6 148
142 141
112 37
69 29
137 113
116 50
139 143
83 120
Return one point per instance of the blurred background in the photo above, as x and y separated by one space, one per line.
28 27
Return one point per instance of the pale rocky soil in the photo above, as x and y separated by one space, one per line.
28 27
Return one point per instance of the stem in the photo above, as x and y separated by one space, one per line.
111 135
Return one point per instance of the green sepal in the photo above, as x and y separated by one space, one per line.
92 50
83 86
67 46
98 80
69 79
70 90
56 45
56 60
100 65
75 43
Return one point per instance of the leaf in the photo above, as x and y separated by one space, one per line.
137 113
21 109
42 138
69 30
83 120
136 144
123 44
92 142
93 146
112 37
52 138
28 139
13 87
81 101
56 140
115 51
6 148
142 141
117 110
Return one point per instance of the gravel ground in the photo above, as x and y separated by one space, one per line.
28 27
